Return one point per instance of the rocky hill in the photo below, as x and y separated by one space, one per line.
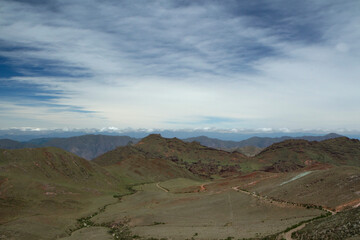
293 154
198 159
285 156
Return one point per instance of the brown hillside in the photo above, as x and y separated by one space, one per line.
136 166
286 156
194 157
293 154
336 187
52 164
52 186
190 152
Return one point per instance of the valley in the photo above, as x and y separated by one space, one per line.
163 188
216 213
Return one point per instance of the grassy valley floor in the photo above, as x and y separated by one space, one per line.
182 209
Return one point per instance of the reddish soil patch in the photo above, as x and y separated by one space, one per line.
252 183
253 179
318 166
222 184
48 155
353 203
250 175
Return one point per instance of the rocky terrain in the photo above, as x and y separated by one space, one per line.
160 188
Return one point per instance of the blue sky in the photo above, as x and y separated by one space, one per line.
180 64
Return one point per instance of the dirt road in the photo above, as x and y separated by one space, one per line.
287 235
164 189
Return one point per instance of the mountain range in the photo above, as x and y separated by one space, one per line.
28 133
86 146
260 142
92 146
159 187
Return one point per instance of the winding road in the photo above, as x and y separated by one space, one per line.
164 189
286 235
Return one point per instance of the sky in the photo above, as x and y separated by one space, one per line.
180 64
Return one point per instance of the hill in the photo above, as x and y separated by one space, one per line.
173 148
293 154
260 142
286 156
52 186
333 187
38 173
44 190
198 159
135 166
92 146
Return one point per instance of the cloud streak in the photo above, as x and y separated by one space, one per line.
136 64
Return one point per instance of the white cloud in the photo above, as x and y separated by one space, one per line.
144 67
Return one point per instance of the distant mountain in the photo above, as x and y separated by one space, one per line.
260 142
86 146
26 134
11 144
89 146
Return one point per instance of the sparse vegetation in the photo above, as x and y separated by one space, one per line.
130 190
51 180
158 223
340 226
306 221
